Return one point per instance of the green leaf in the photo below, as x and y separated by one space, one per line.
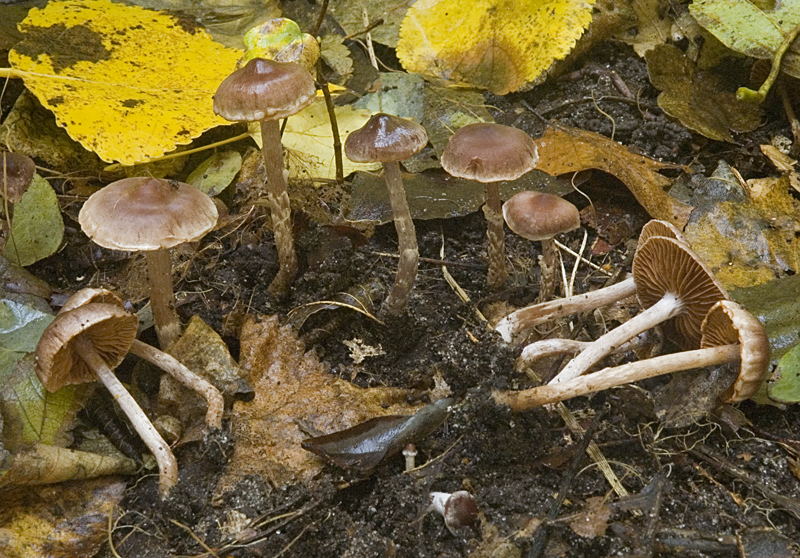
37 228
216 173
21 326
785 384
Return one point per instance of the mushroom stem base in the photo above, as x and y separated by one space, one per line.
159 276
497 276
398 297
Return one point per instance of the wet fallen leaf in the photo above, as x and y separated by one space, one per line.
67 521
647 24
337 56
697 98
216 173
499 45
115 88
785 384
293 385
280 39
37 227
563 150
592 521
356 16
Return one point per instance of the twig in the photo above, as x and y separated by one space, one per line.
367 29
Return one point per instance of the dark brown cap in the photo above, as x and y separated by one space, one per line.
384 139
147 214
264 90
16 174
539 216
489 152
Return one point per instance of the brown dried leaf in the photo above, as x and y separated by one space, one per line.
566 150
293 385
594 519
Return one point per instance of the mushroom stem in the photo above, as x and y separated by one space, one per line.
493 210
547 283
167 465
668 307
185 376
398 297
618 375
280 207
159 275
557 346
513 327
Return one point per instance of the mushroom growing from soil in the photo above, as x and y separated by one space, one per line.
730 334
85 344
267 91
490 153
540 216
150 215
389 139
458 509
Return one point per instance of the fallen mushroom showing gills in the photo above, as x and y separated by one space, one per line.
730 333
458 509
388 139
267 91
516 325
83 345
540 216
672 283
490 153
150 215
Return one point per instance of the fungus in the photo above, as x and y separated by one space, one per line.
388 139
266 91
729 333
150 215
84 344
540 216
458 509
16 174
489 153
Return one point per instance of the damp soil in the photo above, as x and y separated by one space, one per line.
684 502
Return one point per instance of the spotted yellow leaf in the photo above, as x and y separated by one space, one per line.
127 83
499 45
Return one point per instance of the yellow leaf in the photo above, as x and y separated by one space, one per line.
499 45
127 83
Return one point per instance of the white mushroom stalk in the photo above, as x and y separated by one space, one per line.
557 346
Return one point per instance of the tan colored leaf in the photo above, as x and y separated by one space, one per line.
593 520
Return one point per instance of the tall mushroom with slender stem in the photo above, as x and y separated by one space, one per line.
86 344
730 333
490 153
150 215
267 91
389 139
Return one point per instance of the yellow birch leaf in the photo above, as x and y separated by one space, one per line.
499 45
127 83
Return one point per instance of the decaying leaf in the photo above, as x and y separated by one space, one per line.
216 173
785 384
697 98
37 227
355 16
127 83
358 299
292 385
592 521
499 45
646 24
563 150
337 56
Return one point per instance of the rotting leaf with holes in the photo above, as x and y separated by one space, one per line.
563 150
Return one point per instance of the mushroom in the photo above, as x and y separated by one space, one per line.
730 333
458 509
672 283
268 91
389 139
150 215
160 359
85 344
489 153
16 172
540 216
516 325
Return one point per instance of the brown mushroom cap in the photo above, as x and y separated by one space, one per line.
539 216
147 214
385 139
655 227
16 174
264 90
488 152
665 265
89 295
110 329
728 323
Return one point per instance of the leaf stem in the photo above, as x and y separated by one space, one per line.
748 95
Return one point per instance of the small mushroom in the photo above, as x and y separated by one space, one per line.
16 174
150 215
730 333
85 344
388 139
458 509
490 153
267 91
540 216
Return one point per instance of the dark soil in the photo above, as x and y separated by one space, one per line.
514 464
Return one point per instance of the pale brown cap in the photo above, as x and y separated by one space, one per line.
489 152
147 214
539 216
728 323
264 90
666 265
89 295
16 174
109 328
385 139
656 227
